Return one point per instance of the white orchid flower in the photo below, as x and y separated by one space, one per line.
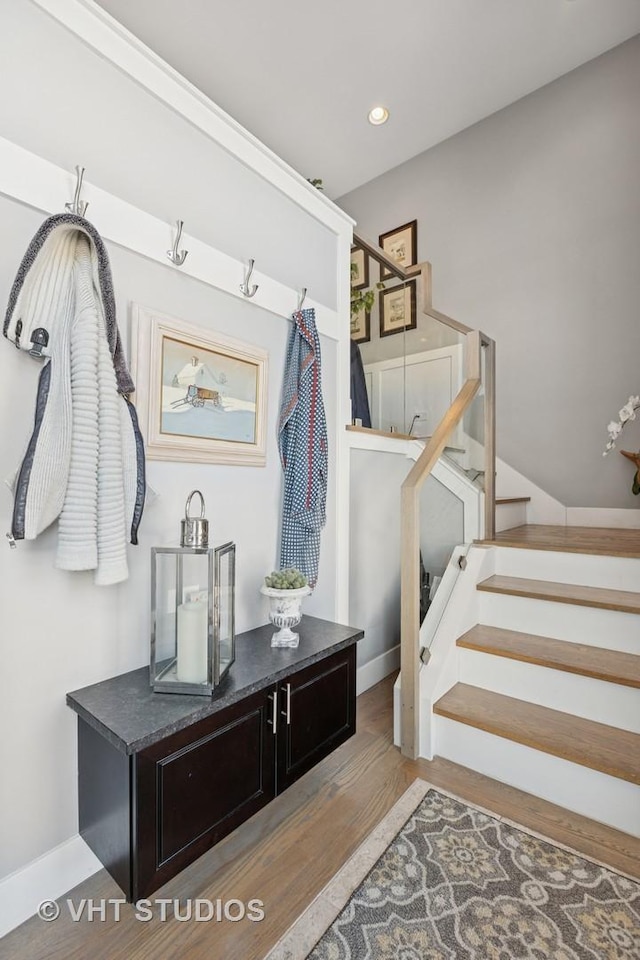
614 429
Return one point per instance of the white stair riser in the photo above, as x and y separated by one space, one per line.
587 792
614 573
598 700
563 621
510 515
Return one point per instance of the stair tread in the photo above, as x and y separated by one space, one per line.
500 500
621 600
599 541
596 745
580 658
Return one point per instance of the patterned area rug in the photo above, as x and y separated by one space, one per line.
442 880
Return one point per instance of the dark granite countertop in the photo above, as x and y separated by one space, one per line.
131 716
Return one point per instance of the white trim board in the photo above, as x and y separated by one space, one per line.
343 416
100 31
47 878
379 443
377 669
43 185
603 517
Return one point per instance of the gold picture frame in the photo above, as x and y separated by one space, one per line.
201 396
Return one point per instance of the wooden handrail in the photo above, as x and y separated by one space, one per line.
489 436
410 492
448 321
410 546
420 271
381 257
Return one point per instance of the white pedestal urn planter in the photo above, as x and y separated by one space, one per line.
285 611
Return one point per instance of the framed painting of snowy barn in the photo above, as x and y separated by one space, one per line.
200 396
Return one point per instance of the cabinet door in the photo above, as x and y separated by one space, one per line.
317 714
195 787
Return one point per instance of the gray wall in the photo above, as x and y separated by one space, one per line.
58 631
531 219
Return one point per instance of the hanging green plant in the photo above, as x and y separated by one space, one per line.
362 299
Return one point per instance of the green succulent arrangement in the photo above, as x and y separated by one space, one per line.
289 579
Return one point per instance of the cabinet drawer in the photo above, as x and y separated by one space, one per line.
195 787
320 706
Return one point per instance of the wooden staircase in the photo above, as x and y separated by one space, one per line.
555 712
594 745
624 600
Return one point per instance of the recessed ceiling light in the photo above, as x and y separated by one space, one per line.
378 115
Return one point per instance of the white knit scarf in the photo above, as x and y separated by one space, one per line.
84 464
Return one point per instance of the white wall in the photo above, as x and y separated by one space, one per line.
531 219
374 534
58 631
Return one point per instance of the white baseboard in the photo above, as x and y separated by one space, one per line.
47 878
377 669
603 517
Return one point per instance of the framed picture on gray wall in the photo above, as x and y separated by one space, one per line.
359 269
398 309
361 326
401 244
201 396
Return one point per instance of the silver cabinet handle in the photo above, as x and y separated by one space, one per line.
274 712
287 713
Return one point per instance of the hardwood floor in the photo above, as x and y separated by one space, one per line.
604 541
286 853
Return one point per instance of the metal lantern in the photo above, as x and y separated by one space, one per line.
192 610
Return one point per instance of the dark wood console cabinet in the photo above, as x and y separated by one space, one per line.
164 777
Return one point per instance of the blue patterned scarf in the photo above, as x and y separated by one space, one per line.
302 439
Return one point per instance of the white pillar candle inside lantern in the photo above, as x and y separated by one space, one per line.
192 642
192 610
